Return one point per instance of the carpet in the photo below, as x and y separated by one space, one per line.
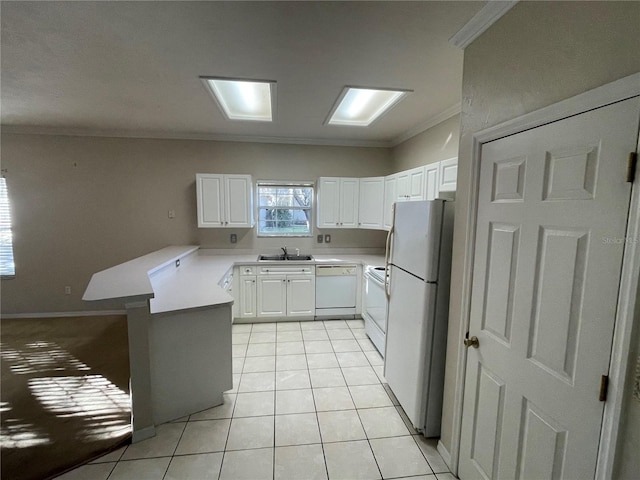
65 393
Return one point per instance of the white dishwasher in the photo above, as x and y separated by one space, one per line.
336 290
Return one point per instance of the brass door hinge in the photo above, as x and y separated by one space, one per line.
631 167
604 387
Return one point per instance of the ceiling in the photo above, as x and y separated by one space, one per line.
133 68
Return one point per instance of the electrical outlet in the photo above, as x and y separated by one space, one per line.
67 290
233 238
320 238
177 263
172 214
327 238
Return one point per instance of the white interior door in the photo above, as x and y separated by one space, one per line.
552 211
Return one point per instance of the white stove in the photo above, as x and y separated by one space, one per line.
374 309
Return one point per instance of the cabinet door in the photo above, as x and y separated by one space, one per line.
448 175
328 202
431 181
247 307
417 184
349 199
301 295
371 204
209 193
272 296
390 184
403 186
238 204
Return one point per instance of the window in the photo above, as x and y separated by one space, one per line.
7 267
284 209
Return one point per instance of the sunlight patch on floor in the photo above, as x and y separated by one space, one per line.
40 356
104 408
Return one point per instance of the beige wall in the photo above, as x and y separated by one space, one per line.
440 142
83 204
537 54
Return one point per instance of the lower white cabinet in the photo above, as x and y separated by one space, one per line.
272 296
301 295
270 291
247 303
245 300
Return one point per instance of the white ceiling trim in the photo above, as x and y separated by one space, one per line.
426 125
78 132
481 21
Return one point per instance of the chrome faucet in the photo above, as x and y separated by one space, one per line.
284 249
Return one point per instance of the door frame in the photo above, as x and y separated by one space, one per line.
613 92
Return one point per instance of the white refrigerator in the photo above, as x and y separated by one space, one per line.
419 262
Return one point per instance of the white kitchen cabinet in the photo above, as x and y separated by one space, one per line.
338 202
448 175
286 291
301 295
410 185
390 186
224 201
431 181
272 296
247 303
371 203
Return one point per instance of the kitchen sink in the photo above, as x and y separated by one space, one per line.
279 258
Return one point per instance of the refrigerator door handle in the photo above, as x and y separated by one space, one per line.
387 253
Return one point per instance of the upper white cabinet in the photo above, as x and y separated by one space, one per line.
431 181
448 175
338 202
370 209
390 184
411 185
224 201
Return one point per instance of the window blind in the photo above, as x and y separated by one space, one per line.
7 266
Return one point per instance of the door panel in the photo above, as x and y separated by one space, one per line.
272 296
552 201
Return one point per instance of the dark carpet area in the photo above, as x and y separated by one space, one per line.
65 393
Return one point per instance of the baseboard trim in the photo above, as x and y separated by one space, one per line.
143 434
93 313
444 453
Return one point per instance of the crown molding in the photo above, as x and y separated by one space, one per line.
162 135
82 132
427 124
481 21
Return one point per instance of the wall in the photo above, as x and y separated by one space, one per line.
83 204
439 142
537 54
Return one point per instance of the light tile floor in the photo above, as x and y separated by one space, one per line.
309 402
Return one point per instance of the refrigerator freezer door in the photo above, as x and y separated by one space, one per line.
409 342
415 243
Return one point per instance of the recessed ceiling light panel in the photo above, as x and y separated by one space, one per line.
360 106
243 99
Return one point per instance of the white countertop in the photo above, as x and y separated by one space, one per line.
194 284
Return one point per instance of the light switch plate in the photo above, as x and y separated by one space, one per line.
327 238
320 238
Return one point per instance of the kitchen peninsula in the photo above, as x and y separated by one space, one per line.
179 321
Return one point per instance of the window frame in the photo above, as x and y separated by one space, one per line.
285 184
9 228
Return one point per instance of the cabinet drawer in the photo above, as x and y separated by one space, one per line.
247 270
279 270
